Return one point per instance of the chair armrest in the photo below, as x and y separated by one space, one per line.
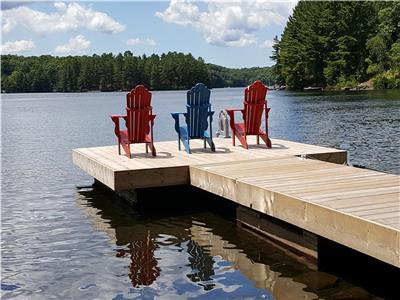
175 116
152 117
231 113
115 119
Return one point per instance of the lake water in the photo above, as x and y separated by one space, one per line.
62 239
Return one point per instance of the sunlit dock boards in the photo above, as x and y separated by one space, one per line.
355 207
171 166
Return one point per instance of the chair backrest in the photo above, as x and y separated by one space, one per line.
254 101
198 105
138 111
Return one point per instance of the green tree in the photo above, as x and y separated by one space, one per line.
108 72
336 43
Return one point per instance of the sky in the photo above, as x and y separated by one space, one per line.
231 33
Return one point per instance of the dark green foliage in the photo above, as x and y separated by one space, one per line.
110 72
225 77
338 44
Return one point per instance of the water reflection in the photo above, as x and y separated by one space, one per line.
201 255
202 265
143 267
262 275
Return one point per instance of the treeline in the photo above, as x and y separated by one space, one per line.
224 77
121 72
338 44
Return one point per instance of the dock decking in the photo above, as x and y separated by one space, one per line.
355 207
171 166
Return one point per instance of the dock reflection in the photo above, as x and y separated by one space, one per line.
261 274
199 241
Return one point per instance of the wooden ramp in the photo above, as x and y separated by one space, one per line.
355 207
171 166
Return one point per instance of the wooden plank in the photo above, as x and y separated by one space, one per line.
94 168
155 177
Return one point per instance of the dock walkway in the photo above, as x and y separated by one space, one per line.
354 207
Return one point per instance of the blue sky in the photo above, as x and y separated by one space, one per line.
231 34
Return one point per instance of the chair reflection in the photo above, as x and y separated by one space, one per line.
143 269
201 264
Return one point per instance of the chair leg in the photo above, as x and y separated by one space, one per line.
186 144
152 148
243 140
119 148
211 143
127 149
258 139
128 152
179 142
205 143
266 140
233 138
147 148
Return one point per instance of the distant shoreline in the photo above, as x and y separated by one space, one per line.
116 91
349 90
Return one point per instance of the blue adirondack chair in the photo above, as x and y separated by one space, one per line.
198 118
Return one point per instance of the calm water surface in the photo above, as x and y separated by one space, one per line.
62 239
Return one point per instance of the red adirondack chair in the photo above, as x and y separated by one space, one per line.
139 121
254 106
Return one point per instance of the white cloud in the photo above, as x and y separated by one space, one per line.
17 46
137 41
267 44
71 16
76 44
180 12
233 23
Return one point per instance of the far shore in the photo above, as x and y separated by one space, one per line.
305 90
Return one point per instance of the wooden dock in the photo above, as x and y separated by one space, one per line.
354 207
171 166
